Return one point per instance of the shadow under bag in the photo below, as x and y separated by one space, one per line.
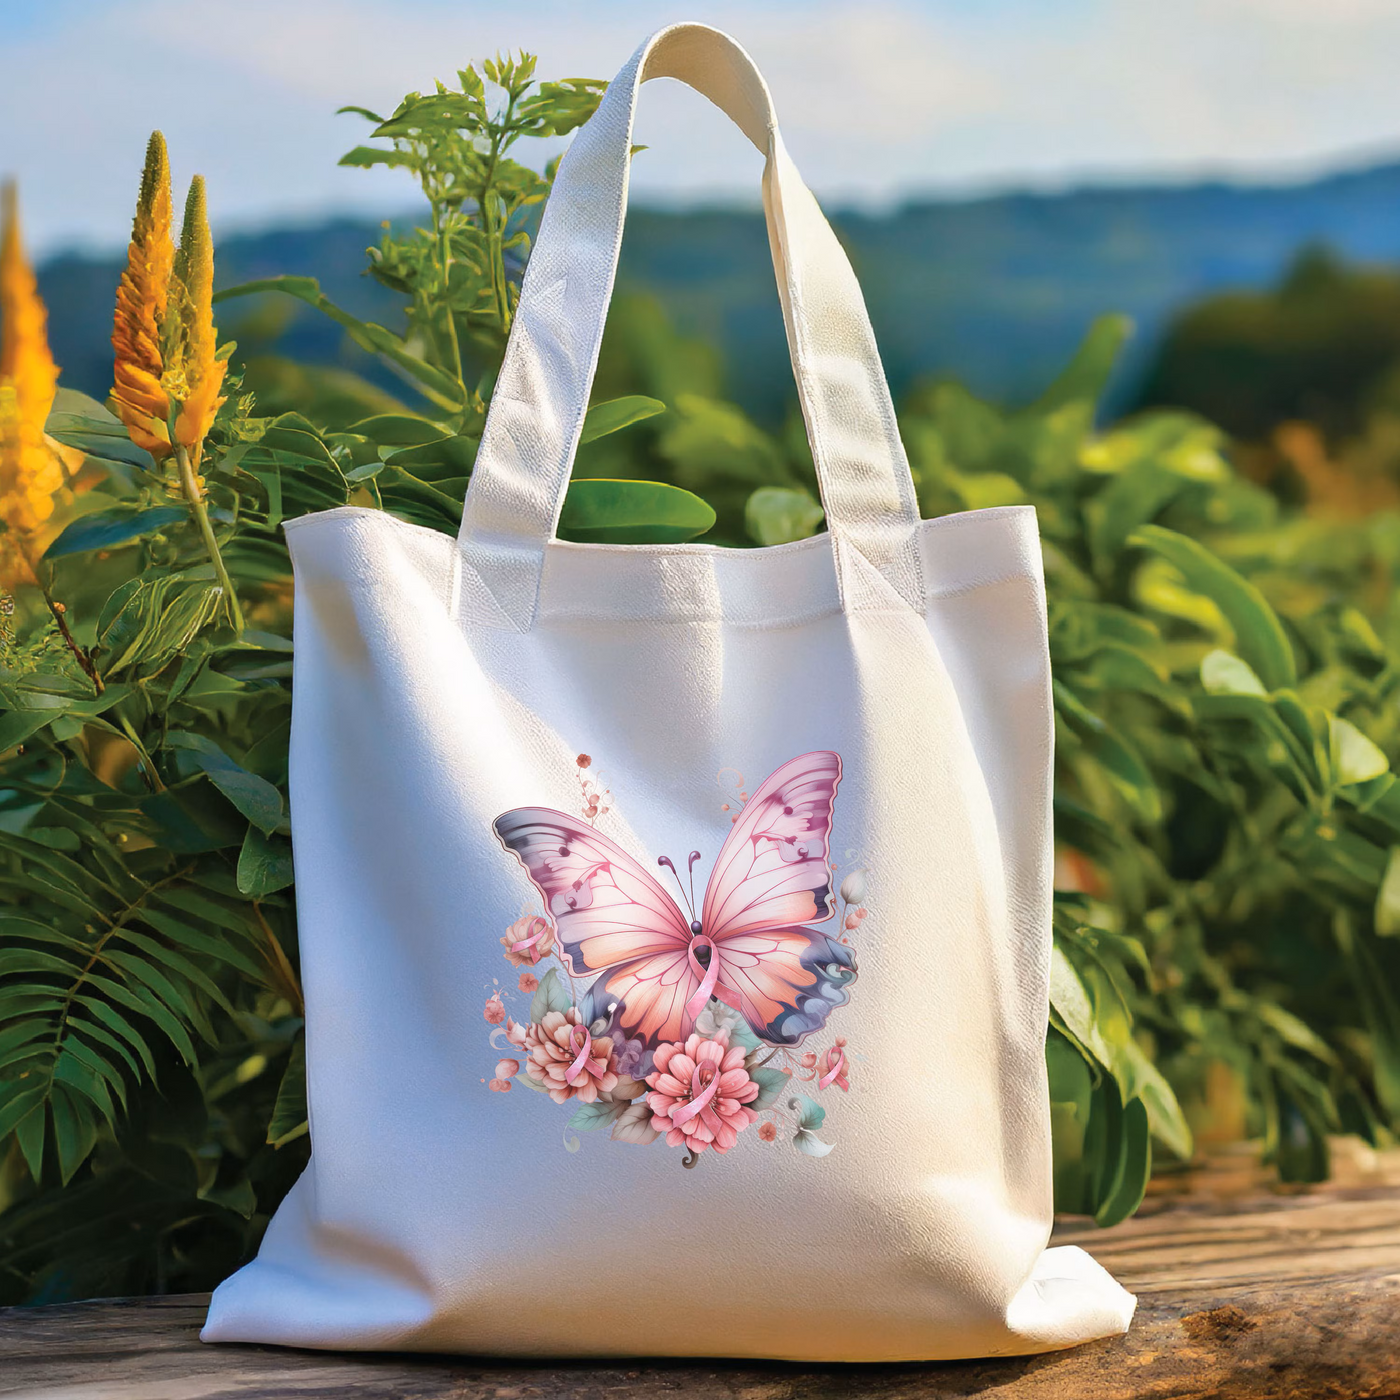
674 920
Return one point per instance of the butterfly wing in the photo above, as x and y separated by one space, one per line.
611 917
785 981
773 875
773 868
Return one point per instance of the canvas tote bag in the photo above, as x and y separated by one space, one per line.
674 920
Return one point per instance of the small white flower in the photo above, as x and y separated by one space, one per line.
853 887
718 1017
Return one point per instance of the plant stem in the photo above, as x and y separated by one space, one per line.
495 240
284 978
496 252
148 768
445 267
79 655
115 924
190 487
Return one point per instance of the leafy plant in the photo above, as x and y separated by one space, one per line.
461 276
1224 799
151 1065
456 145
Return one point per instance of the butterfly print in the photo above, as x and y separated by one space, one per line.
753 946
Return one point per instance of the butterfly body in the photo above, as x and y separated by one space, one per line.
753 946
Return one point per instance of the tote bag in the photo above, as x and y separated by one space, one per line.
674 920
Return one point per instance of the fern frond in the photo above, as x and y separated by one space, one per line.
110 970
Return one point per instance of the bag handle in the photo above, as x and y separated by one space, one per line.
532 431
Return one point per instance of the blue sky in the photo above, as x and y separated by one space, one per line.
880 99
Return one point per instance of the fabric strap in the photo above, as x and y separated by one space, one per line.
532 431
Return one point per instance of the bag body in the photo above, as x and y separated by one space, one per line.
782 1098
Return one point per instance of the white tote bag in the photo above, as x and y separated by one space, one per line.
674 920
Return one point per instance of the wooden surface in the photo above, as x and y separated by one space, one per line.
1243 1292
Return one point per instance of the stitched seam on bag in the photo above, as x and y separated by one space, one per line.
961 590
755 556
717 619
798 331
937 595
778 624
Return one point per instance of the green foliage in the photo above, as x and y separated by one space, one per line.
1226 958
460 276
781 514
152 1068
1107 1099
456 144
1225 809
632 512
147 1004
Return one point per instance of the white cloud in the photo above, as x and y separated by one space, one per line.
1310 14
878 97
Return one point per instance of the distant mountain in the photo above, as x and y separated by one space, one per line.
993 291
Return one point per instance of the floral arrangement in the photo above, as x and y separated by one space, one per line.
699 1090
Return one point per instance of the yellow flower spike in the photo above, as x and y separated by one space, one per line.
138 396
203 371
195 373
30 472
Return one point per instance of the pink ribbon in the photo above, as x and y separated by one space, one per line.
698 1102
835 1069
582 1061
526 943
708 975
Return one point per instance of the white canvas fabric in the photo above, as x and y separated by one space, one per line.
496 738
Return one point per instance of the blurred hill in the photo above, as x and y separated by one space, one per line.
995 291
1323 346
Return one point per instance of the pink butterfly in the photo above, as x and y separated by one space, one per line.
750 947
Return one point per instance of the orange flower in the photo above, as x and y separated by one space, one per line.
199 365
138 395
30 471
163 331
567 1059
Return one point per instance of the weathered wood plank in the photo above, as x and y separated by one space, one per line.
1273 1239
1265 1342
1278 1297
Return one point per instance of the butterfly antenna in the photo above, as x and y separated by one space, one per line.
694 856
666 861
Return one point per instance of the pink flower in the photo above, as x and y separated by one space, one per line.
495 1011
809 1059
529 982
568 1061
698 1093
499 1086
505 1068
583 760
768 1132
528 940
